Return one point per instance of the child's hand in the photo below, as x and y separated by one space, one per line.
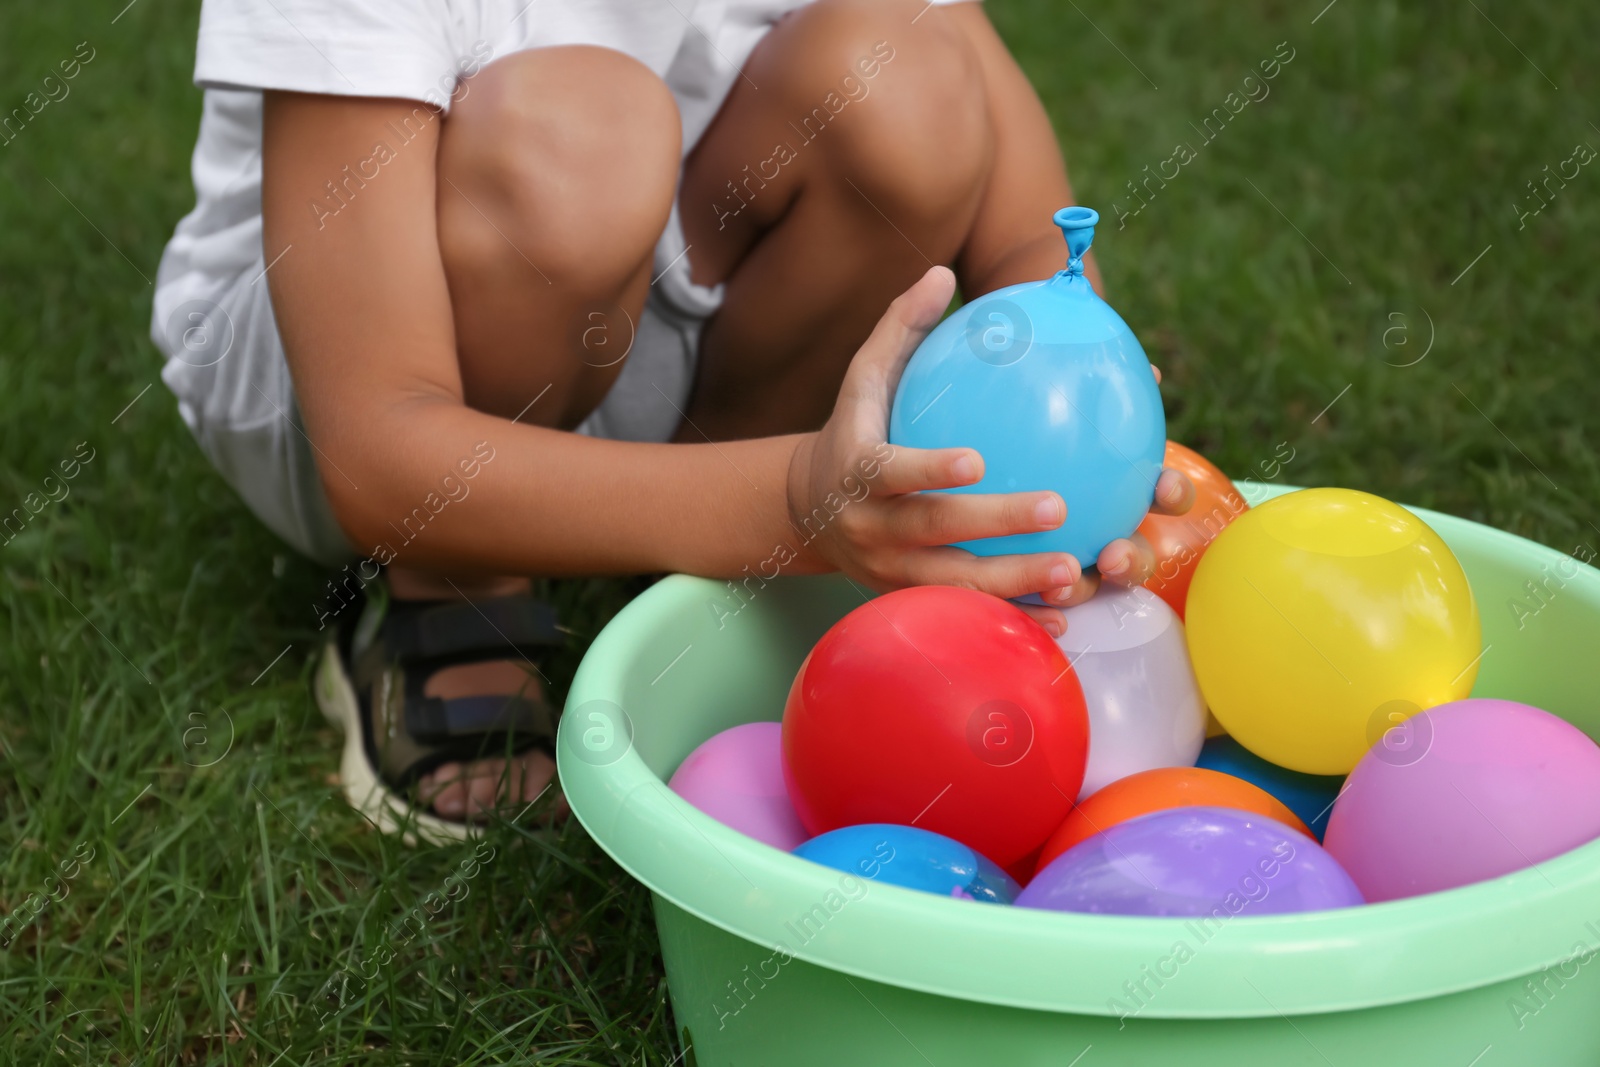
860 504
888 534
1130 560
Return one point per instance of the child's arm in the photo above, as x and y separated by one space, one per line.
365 313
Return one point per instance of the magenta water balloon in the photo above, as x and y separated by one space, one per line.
737 778
1213 862
1473 790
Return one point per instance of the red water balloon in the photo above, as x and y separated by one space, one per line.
941 708
1180 540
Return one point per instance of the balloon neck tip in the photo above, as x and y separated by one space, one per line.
1077 226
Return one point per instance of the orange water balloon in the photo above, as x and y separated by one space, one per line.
1180 540
1160 790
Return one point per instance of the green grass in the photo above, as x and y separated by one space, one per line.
222 904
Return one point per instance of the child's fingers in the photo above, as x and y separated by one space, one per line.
945 518
1002 576
911 470
1127 561
1082 589
1174 493
1052 619
875 370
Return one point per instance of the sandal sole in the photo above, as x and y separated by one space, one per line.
363 789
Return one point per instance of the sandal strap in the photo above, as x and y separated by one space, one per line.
436 720
423 636
408 733
411 734
455 629
439 721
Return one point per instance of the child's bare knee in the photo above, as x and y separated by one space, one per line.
562 158
897 107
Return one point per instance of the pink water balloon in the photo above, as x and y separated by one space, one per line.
737 778
1463 792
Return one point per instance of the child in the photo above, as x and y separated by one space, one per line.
507 287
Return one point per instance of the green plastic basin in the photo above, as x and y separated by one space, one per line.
775 961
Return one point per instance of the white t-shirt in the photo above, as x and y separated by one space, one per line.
412 49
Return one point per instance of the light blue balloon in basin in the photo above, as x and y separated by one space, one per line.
1050 386
1310 796
913 858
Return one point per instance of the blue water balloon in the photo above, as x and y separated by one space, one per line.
913 858
1050 386
1309 796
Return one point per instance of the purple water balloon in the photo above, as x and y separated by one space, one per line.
1483 788
1214 862
737 778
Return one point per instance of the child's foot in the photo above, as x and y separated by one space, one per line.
468 790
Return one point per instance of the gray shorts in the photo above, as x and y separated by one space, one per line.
225 364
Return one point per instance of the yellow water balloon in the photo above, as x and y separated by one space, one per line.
1322 618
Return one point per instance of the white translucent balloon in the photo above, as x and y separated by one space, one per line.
1145 709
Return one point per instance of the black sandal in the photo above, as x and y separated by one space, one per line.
369 685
